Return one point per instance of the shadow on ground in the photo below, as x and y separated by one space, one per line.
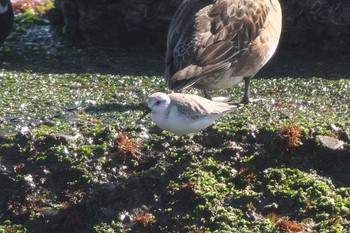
294 62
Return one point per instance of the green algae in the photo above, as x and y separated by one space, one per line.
7 226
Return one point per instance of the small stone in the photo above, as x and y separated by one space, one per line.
54 215
47 122
65 138
334 128
331 143
24 130
125 218
91 103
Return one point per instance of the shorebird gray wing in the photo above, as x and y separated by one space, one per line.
197 107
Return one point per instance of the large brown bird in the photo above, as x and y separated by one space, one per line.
216 44
6 19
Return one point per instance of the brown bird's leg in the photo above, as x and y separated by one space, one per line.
207 95
245 99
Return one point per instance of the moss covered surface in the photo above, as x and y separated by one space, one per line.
73 157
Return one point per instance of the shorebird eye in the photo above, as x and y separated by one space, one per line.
158 102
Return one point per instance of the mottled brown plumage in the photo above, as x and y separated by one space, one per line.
215 44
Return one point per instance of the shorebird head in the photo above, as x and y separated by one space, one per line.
158 102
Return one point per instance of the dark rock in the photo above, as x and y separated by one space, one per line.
6 186
37 225
53 215
47 122
49 141
122 22
23 137
6 19
317 23
321 24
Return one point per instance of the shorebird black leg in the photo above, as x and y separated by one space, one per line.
245 99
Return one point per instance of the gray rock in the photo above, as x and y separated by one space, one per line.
331 143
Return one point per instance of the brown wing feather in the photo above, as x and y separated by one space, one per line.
181 47
210 41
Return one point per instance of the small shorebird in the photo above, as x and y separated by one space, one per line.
216 44
185 113
6 19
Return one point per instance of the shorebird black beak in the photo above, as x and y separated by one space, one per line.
148 110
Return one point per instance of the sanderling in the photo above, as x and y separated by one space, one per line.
217 44
184 113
